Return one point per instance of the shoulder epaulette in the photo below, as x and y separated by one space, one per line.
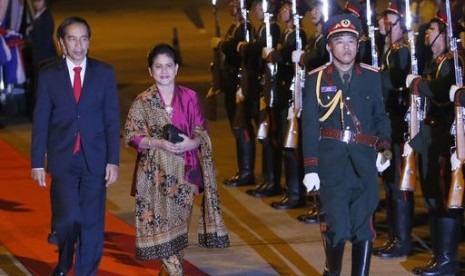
450 55
369 67
398 45
316 70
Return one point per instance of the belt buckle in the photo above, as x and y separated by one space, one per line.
346 136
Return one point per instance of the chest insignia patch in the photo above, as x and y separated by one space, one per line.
326 89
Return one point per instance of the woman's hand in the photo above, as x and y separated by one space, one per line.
186 145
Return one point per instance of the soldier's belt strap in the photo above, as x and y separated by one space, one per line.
348 136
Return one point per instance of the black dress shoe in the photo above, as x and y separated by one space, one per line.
58 272
240 179
52 238
287 203
266 189
256 188
313 216
395 250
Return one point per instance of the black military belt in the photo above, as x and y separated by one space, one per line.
348 136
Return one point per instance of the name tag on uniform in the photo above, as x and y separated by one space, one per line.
325 89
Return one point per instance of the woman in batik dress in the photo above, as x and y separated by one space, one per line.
169 175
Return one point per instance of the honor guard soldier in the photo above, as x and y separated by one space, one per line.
251 52
364 49
395 66
282 57
433 143
346 142
245 138
314 56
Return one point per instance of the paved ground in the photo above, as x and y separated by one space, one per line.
264 241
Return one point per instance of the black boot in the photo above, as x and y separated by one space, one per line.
433 236
315 213
389 224
295 196
245 148
271 171
448 238
361 257
334 259
403 218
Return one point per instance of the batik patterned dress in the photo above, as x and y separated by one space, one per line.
166 183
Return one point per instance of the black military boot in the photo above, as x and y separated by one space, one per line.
361 257
271 170
294 197
245 148
334 259
445 257
403 219
389 223
433 225
314 214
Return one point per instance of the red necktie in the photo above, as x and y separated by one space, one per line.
77 93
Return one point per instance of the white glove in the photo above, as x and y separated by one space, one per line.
382 166
454 162
452 91
409 79
290 113
266 52
214 42
240 45
311 181
407 150
297 55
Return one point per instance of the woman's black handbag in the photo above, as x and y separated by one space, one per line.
171 133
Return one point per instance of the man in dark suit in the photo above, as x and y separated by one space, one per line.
76 125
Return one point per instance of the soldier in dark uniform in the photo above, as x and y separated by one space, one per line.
282 56
251 52
344 125
313 56
364 46
395 65
245 138
433 144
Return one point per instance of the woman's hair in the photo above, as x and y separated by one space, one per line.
61 31
160 49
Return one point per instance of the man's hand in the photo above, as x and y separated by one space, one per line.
382 163
240 46
454 162
311 181
453 89
266 52
39 176
409 79
214 42
297 55
111 174
407 150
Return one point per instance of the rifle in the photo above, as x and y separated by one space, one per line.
267 99
292 132
215 66
240 114
454 201
371 35
414 116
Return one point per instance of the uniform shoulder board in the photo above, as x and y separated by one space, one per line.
450 55
316 70
369 67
